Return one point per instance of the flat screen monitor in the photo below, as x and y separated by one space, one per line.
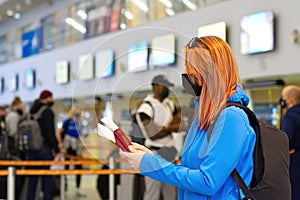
257 33
62 72
217 29
30 79
163 51
86 67
104 60
1 85
138 56
12 82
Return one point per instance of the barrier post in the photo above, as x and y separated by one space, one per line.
11 180
62 181
111 179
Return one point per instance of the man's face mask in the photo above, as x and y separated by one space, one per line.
50 103
165 93
282 103
192 89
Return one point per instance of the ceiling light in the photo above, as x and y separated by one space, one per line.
17 15
141 5
127 14
123 26
167 3
169 11
189 4
82 14
10 13
76 25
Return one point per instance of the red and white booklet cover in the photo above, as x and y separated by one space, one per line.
109 130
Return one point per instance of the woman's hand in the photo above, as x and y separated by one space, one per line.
135 148
135 156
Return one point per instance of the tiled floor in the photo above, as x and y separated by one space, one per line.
88 188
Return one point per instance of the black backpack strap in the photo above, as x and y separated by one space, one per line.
255 125
148 102
241 184
39 113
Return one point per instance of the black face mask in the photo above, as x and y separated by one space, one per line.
20 112
282 103
165 93
50 103
2 118
189 87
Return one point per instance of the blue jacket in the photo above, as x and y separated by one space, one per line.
205 167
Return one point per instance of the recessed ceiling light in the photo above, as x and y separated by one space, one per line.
17 15
10 13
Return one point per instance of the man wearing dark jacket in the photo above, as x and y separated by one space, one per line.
47 125
290 123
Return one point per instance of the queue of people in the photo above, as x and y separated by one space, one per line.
10 120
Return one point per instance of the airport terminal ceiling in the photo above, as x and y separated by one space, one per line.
15 8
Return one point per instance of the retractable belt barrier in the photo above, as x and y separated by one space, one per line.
11 171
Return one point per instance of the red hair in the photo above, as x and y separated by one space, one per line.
211 64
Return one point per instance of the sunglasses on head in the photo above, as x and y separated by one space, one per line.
194 41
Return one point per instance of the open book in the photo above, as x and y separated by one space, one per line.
109 130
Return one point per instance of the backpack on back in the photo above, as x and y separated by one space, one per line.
271 160
29 136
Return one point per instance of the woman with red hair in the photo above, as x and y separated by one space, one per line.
211 76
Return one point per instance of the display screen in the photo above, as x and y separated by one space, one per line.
138 56
217 29
12 82
1 85
86 67
62 73
105 63
163 51
30 79
257 33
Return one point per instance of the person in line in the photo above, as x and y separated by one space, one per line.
46 122
157 118
12 120
68 137
2 118
290 123
211 76
3 179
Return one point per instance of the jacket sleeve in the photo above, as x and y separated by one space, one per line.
48 129
216 159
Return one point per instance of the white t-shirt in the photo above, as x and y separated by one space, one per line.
162 115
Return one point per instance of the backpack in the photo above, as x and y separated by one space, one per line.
29 135
4 152
270 178
136 133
